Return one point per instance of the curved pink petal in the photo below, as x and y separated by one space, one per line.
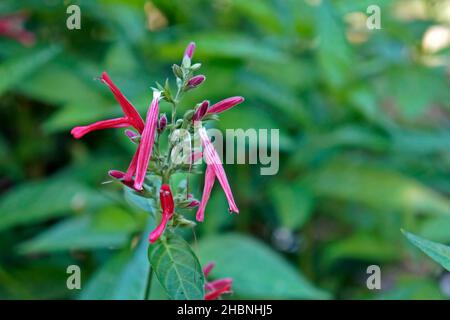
79 132
207 269
129 110
132 167
213 160
159 229
209 183
221 287
147 141
219 284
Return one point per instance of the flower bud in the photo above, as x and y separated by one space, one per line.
133 136
119 175
195 81
188 116
162 123
225 104
116 174
177 71
183 222
194 203
166 199
189 52
201 111
196 66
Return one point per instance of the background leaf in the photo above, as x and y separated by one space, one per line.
257 271
16 69
110 229
436 251
39 201
123 277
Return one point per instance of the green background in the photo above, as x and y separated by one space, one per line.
364 145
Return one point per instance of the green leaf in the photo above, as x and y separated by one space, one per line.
375 187
124 277
177 268
412 288
261 13
436 251
402 81
73 88
17 68
361 247
134 198
108 230
334 54
40 280
293 202
38 201
257 271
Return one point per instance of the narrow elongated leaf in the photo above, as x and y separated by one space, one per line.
41 200
108 230
334 54
436 251
257 271
177 268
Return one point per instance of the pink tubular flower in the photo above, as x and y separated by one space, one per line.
147 141
167 206
131 118
225 104
189 52
132 167
131 114
216 288
214 165
11 26
209 183
119 175
79 132
195 81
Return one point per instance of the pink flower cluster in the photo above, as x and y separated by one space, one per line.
145 136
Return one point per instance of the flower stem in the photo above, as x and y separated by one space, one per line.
149 284
175 103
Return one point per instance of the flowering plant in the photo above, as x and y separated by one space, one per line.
149 175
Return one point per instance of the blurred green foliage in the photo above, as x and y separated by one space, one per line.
364 138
